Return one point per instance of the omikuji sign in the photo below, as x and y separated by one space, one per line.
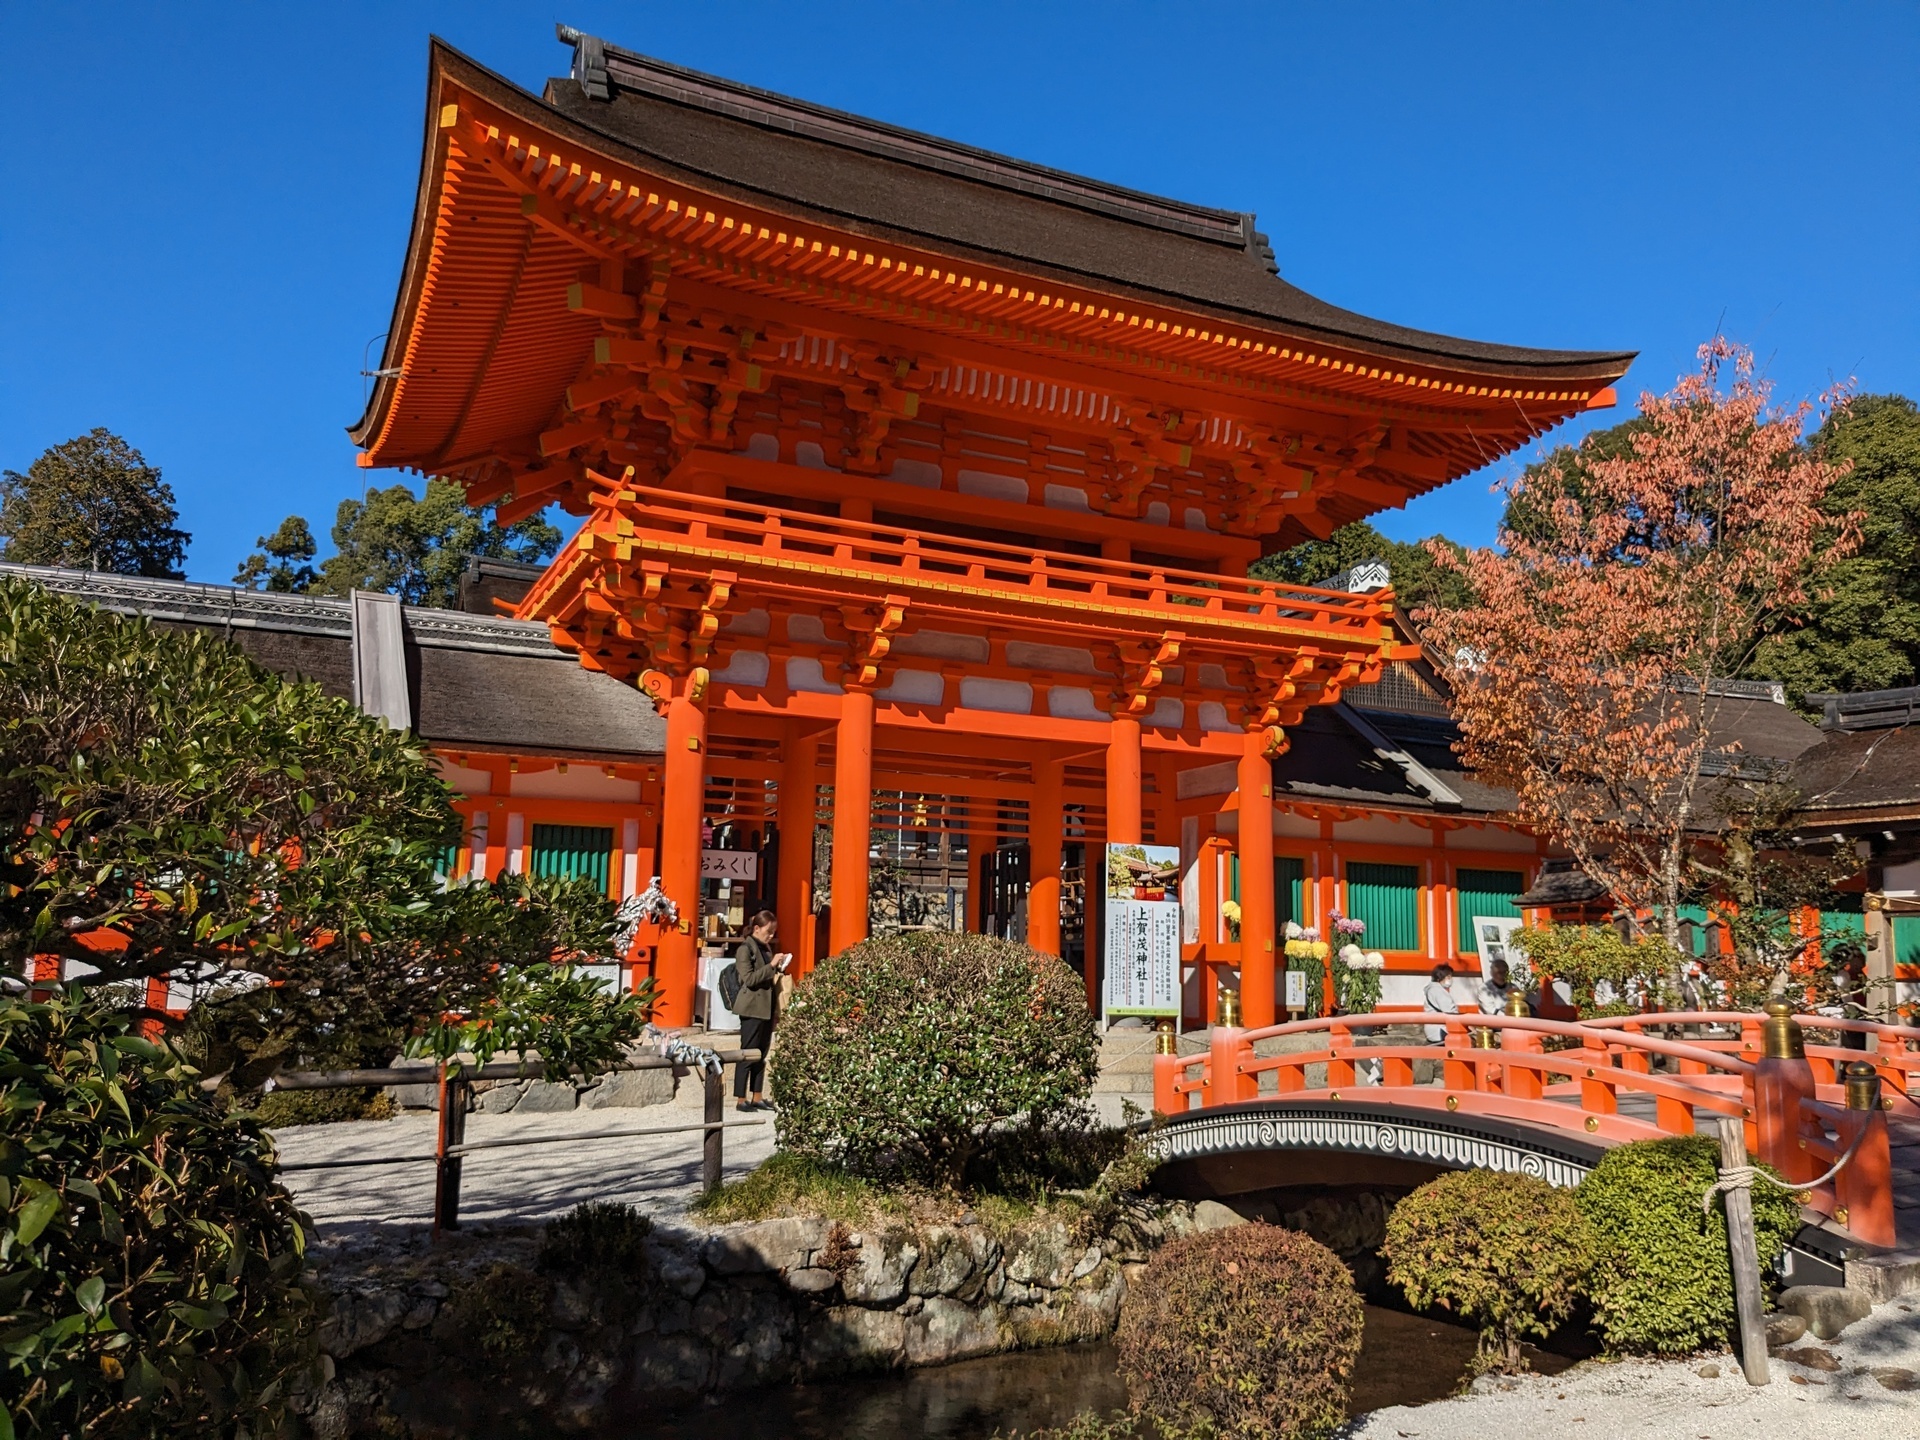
729 865
1143 930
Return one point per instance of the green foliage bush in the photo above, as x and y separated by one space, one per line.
902 1053
1253 1331
602 1247
571 1020
1508 1253
152 1267
596 1235
786 1183
279 1108
1662 1283
1585 956
1088 1425
204 816
502 1313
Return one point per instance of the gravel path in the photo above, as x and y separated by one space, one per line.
660 1174
1671 1400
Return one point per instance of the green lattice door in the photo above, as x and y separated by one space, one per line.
573 852
1387 898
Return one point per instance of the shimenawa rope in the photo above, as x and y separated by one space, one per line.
1741 1177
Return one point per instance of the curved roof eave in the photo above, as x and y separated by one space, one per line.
1292 311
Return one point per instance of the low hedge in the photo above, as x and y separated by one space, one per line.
1662 1283
902 1053
1508 1253
278 1109
1253 1331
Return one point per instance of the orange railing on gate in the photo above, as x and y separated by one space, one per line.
650 517
1579 1089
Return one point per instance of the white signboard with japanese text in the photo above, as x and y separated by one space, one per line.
1142 899
1296 989
729 865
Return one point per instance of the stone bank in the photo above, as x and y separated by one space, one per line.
471 1338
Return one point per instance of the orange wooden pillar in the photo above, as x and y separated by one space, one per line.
679 964
1257 947
1123 782
1046 824
799 780
852 818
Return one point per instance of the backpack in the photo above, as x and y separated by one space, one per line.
729 983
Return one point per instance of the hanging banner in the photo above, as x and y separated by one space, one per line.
1142 930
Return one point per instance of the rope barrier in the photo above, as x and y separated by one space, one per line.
1741 1177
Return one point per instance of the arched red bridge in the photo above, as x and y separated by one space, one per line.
1492 1094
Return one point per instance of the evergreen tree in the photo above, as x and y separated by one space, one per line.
92 503
1862 629
280 564
417 547
1418 583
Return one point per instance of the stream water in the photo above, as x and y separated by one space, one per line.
1404 1360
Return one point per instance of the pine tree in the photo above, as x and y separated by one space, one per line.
92 503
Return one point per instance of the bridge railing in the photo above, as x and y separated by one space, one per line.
1499 1066
1893 1050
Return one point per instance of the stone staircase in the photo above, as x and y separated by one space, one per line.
1126 1065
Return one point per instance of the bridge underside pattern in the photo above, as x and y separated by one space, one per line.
1377 1132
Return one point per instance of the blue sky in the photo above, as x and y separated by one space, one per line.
206 205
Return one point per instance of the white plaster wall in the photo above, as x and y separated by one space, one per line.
745 667
1491 838
1011 697
1167 713
915 687
464 780
995 487
804 673
1382 832
1073 702
577 782
1068 658
916 472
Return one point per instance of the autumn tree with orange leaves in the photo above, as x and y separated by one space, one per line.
1582 665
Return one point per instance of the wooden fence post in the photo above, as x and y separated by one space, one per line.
453 1132
1743 1252
711 1139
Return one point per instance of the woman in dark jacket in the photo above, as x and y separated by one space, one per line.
759 970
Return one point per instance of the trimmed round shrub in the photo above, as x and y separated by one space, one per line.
151 1274
1253 1331
1508 1253
1662 1282
902 1052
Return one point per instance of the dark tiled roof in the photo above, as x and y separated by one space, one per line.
1328 760
878 180
1862 770
1561 883
475 680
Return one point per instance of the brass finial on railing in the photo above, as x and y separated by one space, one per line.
1228 1011
1485 1038
1166 1041
1780 1036
1517 1005
1863 1086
